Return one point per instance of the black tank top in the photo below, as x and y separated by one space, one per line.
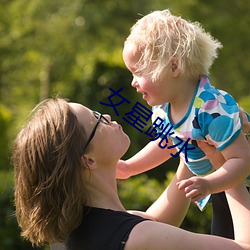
102 229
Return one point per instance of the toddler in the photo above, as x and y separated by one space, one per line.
170 59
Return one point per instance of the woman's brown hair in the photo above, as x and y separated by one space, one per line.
49 182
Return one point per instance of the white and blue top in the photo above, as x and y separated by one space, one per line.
213 115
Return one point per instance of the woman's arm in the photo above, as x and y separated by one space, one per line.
171 207
160 236
239 203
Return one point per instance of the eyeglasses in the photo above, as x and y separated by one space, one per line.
100 118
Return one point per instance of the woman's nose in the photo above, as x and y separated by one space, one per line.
108 117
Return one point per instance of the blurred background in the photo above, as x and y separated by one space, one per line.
72 48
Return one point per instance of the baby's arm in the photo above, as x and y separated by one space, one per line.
235 170
149 157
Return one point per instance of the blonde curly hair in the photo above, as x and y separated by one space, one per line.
49 181
161 36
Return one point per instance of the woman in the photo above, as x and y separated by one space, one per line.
65 191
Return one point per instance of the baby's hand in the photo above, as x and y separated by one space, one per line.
122 170
194 187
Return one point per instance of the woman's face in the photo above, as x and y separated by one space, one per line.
109 140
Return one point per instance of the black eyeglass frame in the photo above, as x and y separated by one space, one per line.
100 118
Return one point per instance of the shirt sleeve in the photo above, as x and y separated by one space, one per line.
219 119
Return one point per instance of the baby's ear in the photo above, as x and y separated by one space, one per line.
175 66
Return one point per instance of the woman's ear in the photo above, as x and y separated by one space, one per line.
175 66
89 161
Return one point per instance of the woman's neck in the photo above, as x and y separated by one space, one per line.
102 189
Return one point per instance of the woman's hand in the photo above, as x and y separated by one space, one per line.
245 124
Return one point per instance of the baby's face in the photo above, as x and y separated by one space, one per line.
153 92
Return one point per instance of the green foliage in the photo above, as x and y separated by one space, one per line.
228 22
5 124
245 103
139 192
